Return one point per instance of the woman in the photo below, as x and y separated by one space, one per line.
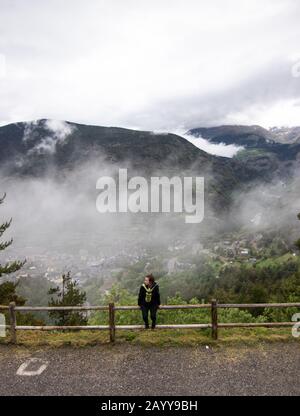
149 300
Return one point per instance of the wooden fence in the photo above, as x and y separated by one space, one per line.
214 324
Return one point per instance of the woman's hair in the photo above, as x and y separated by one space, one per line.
151 278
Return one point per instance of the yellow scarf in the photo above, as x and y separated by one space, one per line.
148 292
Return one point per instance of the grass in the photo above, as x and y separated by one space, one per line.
275 261
158 338
247 153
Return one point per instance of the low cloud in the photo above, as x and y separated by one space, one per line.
58 133
268 207
60 129
220 149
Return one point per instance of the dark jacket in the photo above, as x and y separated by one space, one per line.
155 298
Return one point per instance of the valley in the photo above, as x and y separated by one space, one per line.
50 170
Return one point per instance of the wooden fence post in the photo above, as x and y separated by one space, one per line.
13 322
214 319
112 328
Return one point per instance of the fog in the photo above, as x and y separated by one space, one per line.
217 149
55 213
58 212
269 207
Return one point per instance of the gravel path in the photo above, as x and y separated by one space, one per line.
130 370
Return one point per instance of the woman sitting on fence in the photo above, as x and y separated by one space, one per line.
149 300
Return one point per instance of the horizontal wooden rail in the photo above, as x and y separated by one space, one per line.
258 305
214 325
60 308
254 324
103 308
62 328
125 307
175 326
196 306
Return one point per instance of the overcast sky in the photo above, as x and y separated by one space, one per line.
159 64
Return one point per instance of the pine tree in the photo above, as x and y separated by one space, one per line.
8 289
298 241
67 295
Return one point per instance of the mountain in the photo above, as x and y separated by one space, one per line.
286 134
28 148
274 152
65 160
45 147
249 136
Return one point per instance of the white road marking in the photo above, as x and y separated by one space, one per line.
22 370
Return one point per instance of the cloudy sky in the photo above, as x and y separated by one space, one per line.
159 64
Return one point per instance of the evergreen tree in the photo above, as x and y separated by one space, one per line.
67 295
8 289
298 241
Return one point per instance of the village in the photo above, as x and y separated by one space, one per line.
180 256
